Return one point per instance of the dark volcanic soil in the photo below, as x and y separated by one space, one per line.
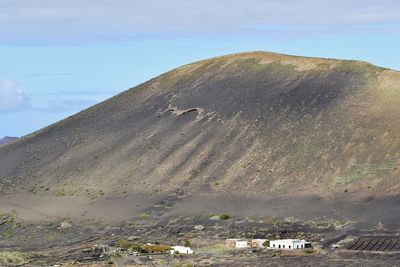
49 244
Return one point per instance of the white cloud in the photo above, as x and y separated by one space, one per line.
12 98
110 20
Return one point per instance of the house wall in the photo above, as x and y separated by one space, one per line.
287 244
242 244
181 250
298 244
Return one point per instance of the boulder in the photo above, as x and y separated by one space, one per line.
199 227
215 218
65 226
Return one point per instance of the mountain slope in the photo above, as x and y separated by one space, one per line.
250 124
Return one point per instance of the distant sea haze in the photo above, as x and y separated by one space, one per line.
7 139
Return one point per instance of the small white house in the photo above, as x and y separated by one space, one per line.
287 244
242 244
181 250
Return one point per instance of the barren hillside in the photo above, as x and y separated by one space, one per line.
245 125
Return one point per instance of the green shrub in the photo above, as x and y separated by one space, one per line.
186 243
266 243
13 258
156 248
123 244
309 251
224 216
143 215
129 245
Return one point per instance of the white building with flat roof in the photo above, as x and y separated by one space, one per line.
287 244
181 250
242 244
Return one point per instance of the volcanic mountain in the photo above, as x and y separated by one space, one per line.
241 126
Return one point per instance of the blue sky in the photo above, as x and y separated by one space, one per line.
60 57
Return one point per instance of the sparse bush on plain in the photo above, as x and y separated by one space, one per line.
309 251
128 245
51 237
224 216
186 243
156 248
143 215
13 258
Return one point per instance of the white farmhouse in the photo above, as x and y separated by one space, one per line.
242 244
287 244
181 250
